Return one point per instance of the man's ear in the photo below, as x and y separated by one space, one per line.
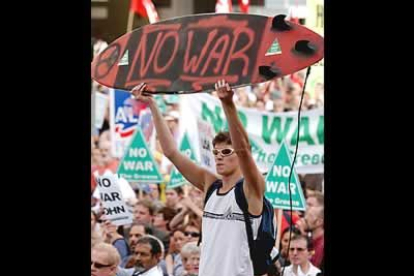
158 256
311 252
320 221
114 268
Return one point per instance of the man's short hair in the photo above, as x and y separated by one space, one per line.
178 190
295 231
112 252
148 204
168 213
155 244
313 182
222 137
309 244
319 198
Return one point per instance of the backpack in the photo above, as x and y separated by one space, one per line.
261 247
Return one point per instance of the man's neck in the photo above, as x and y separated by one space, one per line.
318 232
303 267
230 180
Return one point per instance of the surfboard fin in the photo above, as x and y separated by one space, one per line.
268 72
304 47
280 24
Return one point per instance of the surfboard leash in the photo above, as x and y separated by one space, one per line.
293 162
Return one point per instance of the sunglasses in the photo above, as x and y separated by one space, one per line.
299 249
98 265
192 234
223 152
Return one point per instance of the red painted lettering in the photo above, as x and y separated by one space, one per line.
218 55
240 54
142 51
195 61
161 70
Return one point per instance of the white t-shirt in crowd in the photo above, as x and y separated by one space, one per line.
313 270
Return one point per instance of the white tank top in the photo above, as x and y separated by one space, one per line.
224 247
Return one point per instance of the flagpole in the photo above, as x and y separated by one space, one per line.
130 20
279 227
140 191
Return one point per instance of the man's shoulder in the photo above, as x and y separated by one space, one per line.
313 270
155 271
288 270
319 239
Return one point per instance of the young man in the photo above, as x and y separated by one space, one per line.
224 249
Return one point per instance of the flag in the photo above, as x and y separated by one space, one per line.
223 6
293 15
244 6
145 8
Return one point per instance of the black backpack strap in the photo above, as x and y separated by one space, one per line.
214 186
137 273
242 202
276 257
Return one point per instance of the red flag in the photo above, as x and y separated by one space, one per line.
294 20
138 7
244 6
223 6
145 8
294 14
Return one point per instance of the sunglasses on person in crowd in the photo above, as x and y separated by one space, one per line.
223 152
192 234
299 249
98 265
